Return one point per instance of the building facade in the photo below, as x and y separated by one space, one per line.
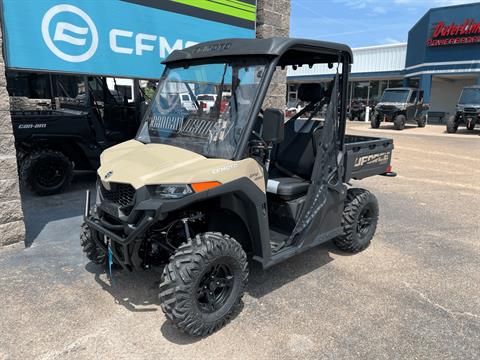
441 57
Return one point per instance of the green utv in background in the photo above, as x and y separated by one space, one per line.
468 110
400 106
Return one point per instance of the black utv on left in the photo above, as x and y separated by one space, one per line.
76 119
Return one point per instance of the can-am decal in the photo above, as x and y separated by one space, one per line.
374 159
32 126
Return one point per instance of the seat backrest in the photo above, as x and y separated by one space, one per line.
311 93
296 153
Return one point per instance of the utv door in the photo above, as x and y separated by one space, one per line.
322 214
411 110
419 106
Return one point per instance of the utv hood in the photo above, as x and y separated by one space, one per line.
139 164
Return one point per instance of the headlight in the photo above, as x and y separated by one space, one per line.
173 191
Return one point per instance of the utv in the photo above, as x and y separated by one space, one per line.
400 106
468 110
198 192
82 121
357 110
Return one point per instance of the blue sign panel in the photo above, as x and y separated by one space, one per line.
445 39
113 37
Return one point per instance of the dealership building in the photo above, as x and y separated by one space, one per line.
441 57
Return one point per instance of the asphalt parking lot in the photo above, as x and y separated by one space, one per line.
414 293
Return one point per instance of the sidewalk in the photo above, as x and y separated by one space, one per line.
429 130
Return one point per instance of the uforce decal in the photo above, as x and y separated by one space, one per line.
374 159
32 126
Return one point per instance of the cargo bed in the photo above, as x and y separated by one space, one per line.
366 156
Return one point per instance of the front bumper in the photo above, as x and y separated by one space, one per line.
125 227
467 118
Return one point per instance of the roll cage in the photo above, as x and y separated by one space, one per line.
279 52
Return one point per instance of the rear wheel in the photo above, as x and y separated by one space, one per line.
422 121
359 221
46 172
203 284
452 124
399 122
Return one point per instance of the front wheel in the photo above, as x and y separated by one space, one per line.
375 122
399 122
359 221
92 250
422 121
362 116
203 284
452 125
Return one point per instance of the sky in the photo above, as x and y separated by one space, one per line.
359 23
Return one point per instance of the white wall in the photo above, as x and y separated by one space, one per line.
445 92
381 58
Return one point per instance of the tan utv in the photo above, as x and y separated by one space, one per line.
201 193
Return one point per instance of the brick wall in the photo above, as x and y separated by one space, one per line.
12 228
273 19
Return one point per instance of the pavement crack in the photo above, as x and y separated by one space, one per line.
452 313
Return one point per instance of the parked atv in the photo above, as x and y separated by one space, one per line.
468 110
358 110
401 106
200 193
52 143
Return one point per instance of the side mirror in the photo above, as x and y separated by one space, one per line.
273 125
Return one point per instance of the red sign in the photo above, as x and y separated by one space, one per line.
455 34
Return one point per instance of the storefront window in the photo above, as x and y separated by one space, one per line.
415 83
395 83
360 90
292 95
374 92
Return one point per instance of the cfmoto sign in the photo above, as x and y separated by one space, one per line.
127 38
67 33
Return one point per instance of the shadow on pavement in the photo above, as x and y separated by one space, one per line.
138 291
41 210
465 131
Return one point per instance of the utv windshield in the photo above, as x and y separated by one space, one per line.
470 96
213 123
395 96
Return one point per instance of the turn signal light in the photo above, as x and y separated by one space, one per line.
202 186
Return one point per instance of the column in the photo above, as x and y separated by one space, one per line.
12 228
273 20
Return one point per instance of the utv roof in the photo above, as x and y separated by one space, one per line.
293 51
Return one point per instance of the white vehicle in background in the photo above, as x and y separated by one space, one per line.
188 102
206 101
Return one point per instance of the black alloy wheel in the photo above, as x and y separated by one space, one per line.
46 172
215 287
365 221
203 284
359 221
